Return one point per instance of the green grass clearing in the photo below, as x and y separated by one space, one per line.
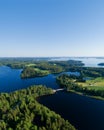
42 71
94 84
30 65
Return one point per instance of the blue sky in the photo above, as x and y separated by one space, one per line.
51 28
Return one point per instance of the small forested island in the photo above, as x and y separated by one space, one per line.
30 72
20 110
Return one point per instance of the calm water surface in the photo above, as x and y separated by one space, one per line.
83 112
10 80
88 61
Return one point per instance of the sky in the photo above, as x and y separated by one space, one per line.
47 28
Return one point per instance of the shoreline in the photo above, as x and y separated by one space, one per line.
75 92
90 96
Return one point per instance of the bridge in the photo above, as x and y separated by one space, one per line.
56 90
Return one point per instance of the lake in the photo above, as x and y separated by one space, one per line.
83 112
88 61
10 80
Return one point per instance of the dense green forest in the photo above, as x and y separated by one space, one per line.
20 110
93 87
21 62
93 72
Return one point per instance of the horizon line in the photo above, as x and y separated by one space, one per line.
51 56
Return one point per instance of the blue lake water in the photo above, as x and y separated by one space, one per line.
83 112
88 61
10 80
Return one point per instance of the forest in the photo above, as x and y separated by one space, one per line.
92 86
20 110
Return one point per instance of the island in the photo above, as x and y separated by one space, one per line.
31 72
